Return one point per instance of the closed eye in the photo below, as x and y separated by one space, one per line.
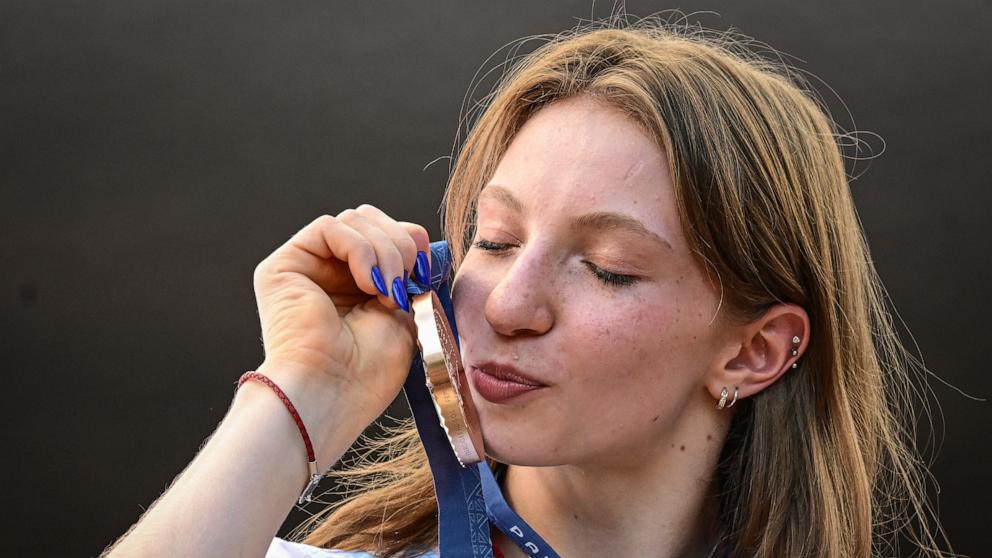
607 277
611 278
491 246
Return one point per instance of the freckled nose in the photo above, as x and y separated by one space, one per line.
522 301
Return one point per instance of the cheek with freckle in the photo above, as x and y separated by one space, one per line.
625 341
629 371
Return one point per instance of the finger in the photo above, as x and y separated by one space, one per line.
418 233
390 261
313 251
422 239
397 233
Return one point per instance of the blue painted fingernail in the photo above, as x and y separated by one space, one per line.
399 294
422 270
380 283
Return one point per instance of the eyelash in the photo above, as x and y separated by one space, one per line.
606 277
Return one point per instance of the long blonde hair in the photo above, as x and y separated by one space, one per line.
822 463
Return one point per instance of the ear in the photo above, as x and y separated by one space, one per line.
757 354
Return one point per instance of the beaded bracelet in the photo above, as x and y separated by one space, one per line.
315 477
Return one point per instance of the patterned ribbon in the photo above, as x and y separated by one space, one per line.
468 498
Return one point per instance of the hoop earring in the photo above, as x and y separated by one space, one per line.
723 398
735 398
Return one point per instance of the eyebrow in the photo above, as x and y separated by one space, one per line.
599 220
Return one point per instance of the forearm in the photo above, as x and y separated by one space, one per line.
233 497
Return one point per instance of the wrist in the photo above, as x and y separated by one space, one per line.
328 413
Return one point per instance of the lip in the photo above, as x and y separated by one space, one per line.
509 373
500 383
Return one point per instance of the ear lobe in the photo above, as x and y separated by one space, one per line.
764 351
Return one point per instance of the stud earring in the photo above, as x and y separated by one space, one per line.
795 350
723 398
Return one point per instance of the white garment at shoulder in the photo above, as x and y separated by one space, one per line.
281 548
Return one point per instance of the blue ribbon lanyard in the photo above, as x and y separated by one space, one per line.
468 498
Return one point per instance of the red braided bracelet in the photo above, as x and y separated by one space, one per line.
315 477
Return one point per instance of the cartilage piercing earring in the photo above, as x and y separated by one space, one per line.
723 398
795 350
734 400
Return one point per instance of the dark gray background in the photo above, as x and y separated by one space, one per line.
153 153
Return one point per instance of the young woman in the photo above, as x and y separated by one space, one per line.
655 228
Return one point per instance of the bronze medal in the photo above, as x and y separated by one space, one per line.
446 379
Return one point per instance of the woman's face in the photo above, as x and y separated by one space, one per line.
583 281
